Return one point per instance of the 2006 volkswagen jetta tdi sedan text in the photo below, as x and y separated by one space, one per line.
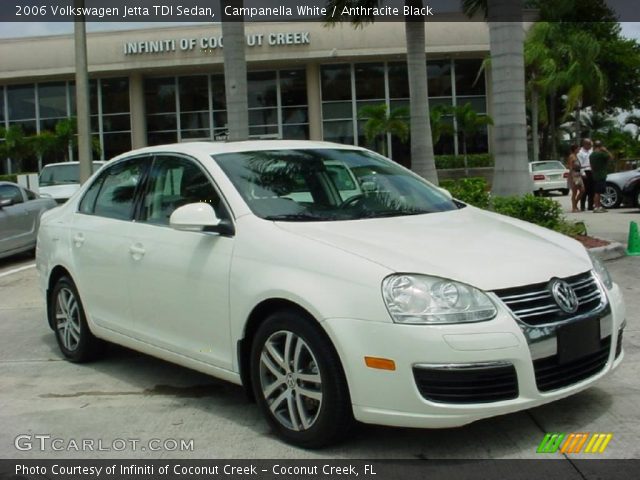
331 282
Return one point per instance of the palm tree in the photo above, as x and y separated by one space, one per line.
596 122
582 76
541 67
235 75
511 176
380 121
633 119
422 157
439 124
15 145
469 123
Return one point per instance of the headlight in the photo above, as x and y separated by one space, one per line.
420 299
601 271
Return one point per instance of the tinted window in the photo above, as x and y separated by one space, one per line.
176 182
119 183
10 192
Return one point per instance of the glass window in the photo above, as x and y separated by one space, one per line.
194 93
262 90
2 106
176 182
197 120
369 81
88 201
398 80
439 78
160 95
337 110
115 95
162 122
293 87
218 92
9 192
161 138
22 102
328 185
116 143
339 132
469 77
336 82
263 116
295 115
116 123
52 98
116 196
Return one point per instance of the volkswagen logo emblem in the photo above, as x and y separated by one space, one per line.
564 295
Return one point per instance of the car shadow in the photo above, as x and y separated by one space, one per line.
515 435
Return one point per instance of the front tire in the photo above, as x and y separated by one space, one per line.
75 340
298 381
612 196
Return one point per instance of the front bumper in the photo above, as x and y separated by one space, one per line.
393 398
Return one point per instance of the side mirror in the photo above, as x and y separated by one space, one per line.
199 217
6 202
446 193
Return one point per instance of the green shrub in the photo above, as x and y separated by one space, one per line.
539 210
457 161
473 191
9 178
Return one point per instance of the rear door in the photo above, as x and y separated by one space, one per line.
100 241
15 221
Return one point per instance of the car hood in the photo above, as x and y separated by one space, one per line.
469 245
60 191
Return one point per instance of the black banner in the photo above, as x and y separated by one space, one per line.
564 469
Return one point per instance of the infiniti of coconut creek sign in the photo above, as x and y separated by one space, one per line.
208 44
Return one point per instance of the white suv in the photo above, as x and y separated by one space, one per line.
61 180
331 295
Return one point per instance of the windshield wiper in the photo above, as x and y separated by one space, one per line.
296 217
392 213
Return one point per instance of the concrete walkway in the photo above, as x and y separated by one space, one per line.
613 225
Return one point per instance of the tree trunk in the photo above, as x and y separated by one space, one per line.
511 175
578 131
235 75
535 140
553 125
422 158
464 153
82 98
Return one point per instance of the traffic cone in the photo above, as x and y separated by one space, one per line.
633 247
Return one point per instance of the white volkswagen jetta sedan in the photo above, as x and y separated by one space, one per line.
330 282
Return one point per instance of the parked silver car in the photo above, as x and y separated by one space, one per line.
20 211
616 183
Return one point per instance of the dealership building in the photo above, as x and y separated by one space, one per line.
305 81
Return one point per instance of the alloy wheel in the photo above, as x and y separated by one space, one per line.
609 197
68 319
290 380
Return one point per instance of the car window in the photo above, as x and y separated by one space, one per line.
540 166
174 182
64 174
115 190
328 184
11 192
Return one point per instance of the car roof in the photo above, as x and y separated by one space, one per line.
3 182
212 148
70 163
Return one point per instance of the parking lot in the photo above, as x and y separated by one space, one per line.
135 398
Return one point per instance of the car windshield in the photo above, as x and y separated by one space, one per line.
328 185
540 166
62 174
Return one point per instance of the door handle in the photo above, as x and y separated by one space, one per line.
78 239
137 251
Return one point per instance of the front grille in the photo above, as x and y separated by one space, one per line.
550 375
469 384
534 305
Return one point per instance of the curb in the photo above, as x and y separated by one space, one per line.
609 252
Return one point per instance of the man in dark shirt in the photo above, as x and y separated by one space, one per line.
599 160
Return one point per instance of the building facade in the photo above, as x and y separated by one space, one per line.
305 81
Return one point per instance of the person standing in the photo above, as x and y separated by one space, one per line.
598 161
587 175
575 178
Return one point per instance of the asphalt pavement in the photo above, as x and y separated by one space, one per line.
136 398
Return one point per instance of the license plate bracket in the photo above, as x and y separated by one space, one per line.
577 340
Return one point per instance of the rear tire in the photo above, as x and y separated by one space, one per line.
66 314
298 381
